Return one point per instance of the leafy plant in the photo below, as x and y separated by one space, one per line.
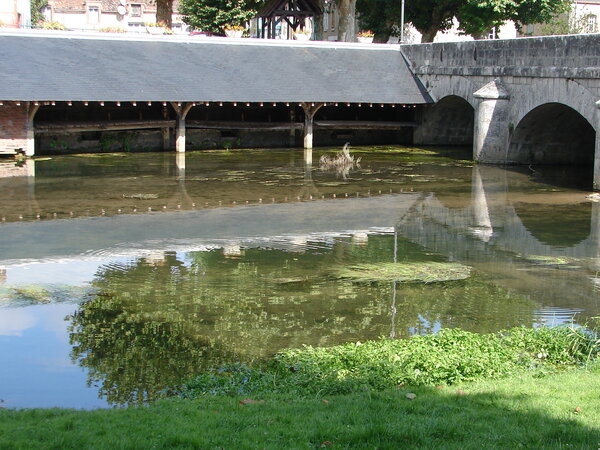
36 10
52 25
448 357
111 30
217 15
234 27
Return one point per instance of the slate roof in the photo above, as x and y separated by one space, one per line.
63 66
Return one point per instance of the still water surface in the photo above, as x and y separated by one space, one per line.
121 275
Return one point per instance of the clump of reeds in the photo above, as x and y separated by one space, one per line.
342 162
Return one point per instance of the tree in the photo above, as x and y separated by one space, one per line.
479 17
36 11
476 17
164 12
214 15
347 23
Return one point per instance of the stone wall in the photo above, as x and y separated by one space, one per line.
13 128
549 57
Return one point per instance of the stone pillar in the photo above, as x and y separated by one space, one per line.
310 109
482 224
491 140
593 241
182 109
597 150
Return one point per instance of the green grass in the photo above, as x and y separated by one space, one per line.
520 412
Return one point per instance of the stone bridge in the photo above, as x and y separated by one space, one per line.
519 101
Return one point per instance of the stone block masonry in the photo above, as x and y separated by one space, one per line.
546 113
13 128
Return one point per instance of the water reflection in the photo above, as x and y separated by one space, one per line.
231 257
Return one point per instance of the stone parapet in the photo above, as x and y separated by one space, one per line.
548 57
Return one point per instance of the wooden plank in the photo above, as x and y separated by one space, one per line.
70 127
363 125
268 126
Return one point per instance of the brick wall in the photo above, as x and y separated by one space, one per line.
13 127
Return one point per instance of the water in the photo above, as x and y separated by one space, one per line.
121 275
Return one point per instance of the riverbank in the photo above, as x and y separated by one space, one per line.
519 388
560 410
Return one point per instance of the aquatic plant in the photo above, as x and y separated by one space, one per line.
423 272
342 162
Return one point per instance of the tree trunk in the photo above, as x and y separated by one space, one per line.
381 38
429 34
164 12
347 24
318 22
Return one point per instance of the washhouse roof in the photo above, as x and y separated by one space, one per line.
63 66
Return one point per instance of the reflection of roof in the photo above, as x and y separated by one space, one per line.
65 66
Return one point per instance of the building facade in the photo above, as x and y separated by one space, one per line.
15 13
127 15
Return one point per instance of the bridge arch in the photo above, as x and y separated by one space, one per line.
552 133
450 121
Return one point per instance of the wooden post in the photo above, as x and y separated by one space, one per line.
182 109
31 110
310 109
166 132
292 141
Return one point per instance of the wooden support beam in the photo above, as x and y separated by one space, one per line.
363 125
74 127
310 109
223 125
292 141
32 108
182 110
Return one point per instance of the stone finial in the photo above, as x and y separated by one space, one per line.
493 90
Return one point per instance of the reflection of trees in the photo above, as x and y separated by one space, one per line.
154 322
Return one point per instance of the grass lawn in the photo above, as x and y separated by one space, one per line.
560 410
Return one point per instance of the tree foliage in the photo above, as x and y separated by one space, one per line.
215 15
36 10
475 17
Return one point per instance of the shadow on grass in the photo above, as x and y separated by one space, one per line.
488 415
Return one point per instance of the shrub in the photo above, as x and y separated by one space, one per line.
448 357
52 25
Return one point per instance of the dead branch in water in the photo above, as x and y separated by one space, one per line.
342 162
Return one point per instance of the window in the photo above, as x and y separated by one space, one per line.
93 14
136 10
591 23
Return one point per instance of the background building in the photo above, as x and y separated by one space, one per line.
15 13
129 15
